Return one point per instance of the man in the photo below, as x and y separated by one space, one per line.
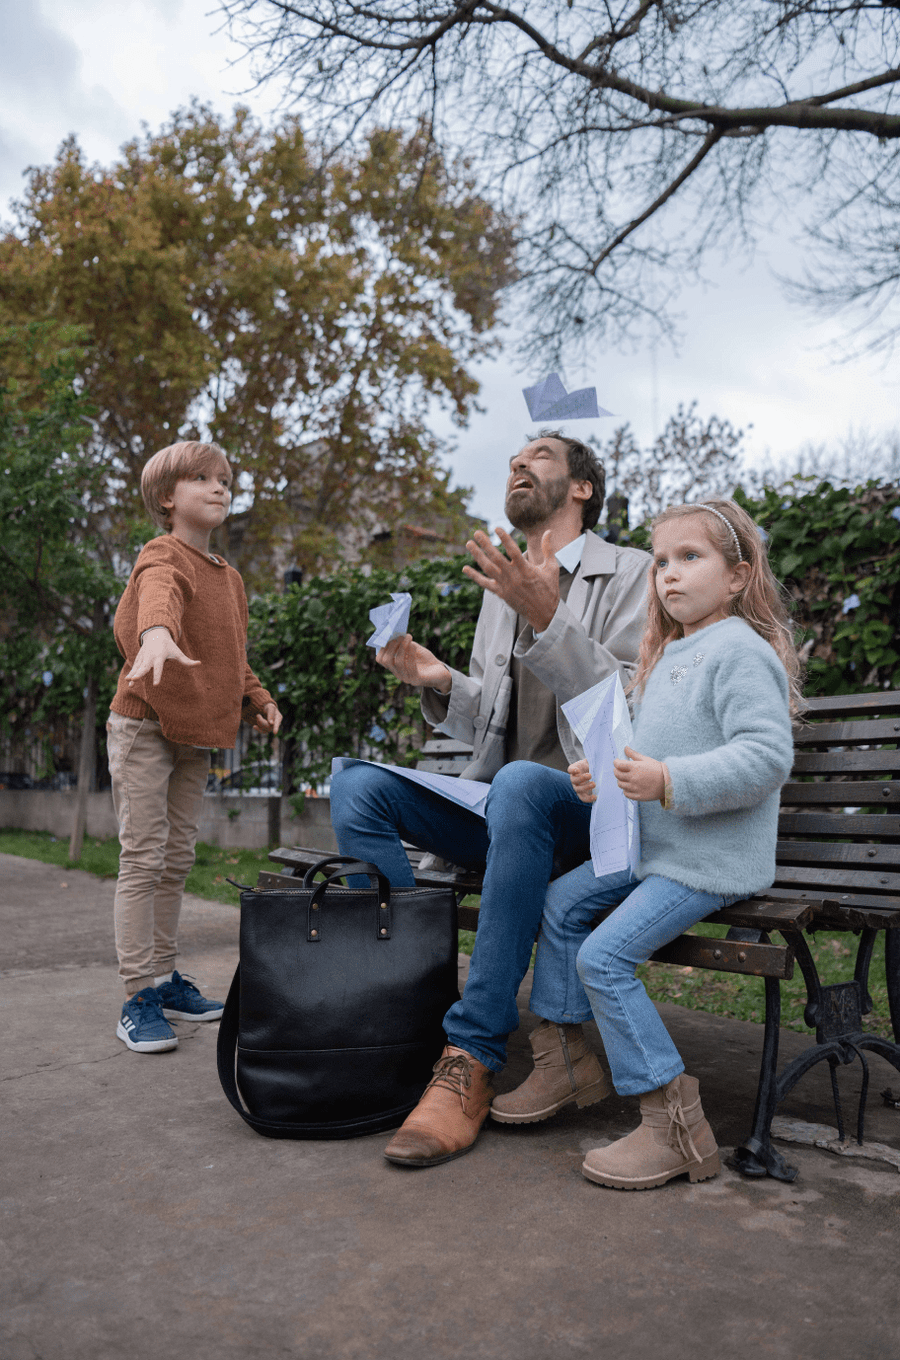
554 621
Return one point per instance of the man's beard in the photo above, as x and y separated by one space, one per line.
534 507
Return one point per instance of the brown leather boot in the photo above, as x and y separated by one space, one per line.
565 1072
673 1138
448 1118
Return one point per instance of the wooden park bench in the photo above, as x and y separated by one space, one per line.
838 869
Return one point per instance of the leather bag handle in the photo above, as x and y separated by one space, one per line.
349 865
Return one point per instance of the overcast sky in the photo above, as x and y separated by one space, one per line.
101 68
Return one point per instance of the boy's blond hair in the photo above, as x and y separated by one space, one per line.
173 464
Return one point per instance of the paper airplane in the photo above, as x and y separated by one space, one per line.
549 400
390 620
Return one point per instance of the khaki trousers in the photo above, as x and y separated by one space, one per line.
157 788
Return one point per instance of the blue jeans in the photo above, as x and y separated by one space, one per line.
580 971
532 815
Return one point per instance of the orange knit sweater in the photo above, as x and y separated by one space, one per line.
204 607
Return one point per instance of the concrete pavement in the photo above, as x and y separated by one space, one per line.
141 1218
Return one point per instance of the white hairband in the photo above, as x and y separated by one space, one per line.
728 525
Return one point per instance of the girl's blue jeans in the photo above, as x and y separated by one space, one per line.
581 970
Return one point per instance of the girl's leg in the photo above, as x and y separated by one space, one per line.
642 1056
573 903
566 1071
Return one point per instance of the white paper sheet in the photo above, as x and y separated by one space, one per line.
600 720
549 400
390 620
467 793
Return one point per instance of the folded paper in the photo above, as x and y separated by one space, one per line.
549 400
390 620
467 793
601 722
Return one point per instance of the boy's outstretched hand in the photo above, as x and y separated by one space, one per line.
641 778
269 720
582 783
157 648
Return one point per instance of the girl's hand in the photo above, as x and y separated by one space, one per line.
582 783
269 720
640 778
157 648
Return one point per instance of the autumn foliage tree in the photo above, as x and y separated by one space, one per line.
304 313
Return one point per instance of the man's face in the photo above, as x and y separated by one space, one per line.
538 484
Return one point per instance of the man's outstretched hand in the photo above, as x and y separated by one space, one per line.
414 665
531 588
157 648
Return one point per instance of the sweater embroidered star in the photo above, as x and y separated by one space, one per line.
202 603
715 709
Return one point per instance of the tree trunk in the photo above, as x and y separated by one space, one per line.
87 754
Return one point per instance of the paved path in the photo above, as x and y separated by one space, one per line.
142 1219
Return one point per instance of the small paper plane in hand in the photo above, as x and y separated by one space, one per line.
549 400
390 620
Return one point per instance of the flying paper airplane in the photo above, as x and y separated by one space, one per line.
390 620
549 400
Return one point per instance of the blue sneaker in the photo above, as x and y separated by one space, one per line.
181 1000
143 1027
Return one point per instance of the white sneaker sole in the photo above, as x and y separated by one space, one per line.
192 1015
145 1045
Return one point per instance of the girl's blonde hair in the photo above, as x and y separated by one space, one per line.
761 602
174 464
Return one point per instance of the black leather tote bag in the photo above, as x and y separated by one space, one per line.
333 1020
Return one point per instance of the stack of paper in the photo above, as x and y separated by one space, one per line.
468 793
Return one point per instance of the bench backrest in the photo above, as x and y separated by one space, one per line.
839 828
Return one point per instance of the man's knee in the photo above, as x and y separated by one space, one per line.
361 791
521 790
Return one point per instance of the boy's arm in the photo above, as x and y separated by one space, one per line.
267 719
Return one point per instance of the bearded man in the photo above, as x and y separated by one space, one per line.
554 621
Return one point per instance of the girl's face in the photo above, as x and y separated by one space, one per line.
693 581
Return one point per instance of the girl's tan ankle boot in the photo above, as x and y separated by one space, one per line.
565 1072
673 1139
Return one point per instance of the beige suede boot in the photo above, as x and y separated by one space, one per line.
448 1118
673 1138
565 1072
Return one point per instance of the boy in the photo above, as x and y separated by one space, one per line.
181 626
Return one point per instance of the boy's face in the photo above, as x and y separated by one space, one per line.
199 502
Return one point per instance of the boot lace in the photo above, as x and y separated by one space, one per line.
679 1134
454 1072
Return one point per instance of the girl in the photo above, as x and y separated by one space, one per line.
717 682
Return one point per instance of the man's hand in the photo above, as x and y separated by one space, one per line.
640 778
582 783
157 648
531 588
414 665
269 720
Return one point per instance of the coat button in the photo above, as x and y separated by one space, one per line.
479 722
500 659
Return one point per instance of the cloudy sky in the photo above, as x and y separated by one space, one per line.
101 68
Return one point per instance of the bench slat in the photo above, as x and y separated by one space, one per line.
853 793
821 852
835 705
869 824
846 762
847 733
837 880
729 956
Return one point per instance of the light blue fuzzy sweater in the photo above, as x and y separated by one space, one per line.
715 709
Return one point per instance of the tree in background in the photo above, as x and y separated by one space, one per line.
304 315
692 458
632 139
58 562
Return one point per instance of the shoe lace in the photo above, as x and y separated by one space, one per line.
453 1071
679 1133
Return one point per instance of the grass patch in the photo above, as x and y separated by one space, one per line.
730 994
101 857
